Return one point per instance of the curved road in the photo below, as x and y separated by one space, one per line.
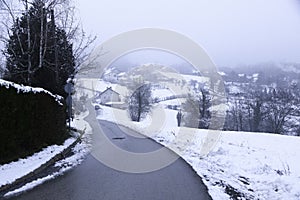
92 180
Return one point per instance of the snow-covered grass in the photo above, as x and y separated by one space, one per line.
187 78
241 165
161 93
14 170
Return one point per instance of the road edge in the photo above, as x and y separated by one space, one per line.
50 162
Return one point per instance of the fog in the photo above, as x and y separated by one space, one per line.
233 32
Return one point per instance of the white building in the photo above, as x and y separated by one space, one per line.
112 75
108 95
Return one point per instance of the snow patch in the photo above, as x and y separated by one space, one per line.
222 73
31 185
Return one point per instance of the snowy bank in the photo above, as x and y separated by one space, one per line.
15 170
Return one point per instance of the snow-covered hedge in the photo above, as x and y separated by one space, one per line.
27 89
31 118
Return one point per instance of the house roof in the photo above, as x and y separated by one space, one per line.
109 88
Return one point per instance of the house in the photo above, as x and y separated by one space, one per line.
108 95
112 75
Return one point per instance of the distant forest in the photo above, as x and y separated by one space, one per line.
263 98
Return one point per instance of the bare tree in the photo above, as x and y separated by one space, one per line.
281 104
197 110
256 104
66 19
204 106
7 17
235 116
140 102
298 131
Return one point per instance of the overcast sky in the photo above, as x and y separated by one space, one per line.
233 32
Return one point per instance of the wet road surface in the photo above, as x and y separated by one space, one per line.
93 180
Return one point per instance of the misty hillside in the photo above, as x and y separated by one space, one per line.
273 90
260 98
283 75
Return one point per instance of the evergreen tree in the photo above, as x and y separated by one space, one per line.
38 52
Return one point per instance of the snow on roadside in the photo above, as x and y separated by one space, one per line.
82 148
31 185
80 151
12 171
242 165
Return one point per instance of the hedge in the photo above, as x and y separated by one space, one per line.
29 122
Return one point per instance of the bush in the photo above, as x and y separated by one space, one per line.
29 122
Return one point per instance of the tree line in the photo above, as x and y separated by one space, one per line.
271 110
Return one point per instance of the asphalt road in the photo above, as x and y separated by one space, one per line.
93 180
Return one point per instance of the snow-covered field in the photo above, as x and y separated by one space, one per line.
161 93
242 165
